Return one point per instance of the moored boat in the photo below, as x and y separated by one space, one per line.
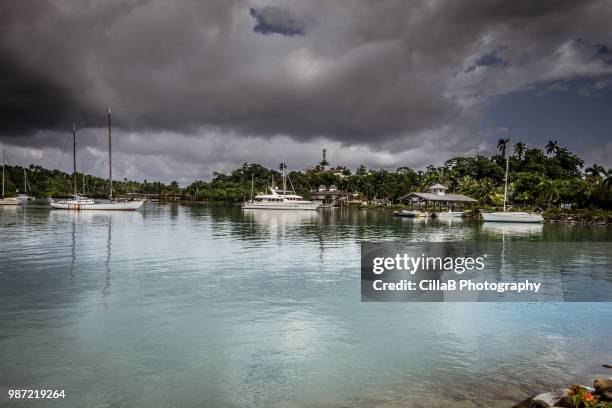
448 214
9 201
410 214
26 186
512 217
78 203
83 203
279 199
6 200
24 197
508 216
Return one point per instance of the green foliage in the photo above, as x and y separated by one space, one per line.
47 183
535 179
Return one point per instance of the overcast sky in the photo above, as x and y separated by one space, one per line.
202 86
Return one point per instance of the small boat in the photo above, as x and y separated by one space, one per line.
448 214
279 199
404 213
410 214
78 203
9 201
508 216
25 197
6 200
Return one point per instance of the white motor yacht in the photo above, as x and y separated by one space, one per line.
280 199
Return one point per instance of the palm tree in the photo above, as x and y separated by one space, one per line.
548 191
501 146
552 147
607 183
595 173
519 150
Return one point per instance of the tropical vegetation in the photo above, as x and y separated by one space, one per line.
544 178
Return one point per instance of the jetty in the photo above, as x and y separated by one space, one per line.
437 198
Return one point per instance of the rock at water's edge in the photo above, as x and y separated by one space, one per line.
602 384
548 399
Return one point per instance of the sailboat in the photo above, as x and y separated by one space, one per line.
24 196
280 199
6 200
507 216
77 202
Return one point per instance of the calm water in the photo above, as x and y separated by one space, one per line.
207 306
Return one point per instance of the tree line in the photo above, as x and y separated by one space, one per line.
537 177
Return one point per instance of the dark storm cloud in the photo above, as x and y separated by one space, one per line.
604 53
490 59
275 20
388 77
28 97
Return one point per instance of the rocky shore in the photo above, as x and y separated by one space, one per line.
593 217
575 396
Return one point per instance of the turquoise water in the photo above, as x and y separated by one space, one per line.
207 306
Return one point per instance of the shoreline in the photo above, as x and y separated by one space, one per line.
554 216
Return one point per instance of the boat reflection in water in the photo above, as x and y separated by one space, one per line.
280 218
97 217
513 229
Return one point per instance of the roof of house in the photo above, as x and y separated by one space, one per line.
437 197
438 186
331 192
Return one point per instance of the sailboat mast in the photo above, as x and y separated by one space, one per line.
506 150
252 185
25 181
74 175
110 158
284 177
2 174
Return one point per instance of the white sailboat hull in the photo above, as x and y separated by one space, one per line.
512 217
25 197
9 201
449 214
281 205
108 206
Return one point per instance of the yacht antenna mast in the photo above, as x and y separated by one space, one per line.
74 174
110 158
252 185
283 167
2 174
506 150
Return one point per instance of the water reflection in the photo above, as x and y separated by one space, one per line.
106 288
280 219
513 229
73 249
212 306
